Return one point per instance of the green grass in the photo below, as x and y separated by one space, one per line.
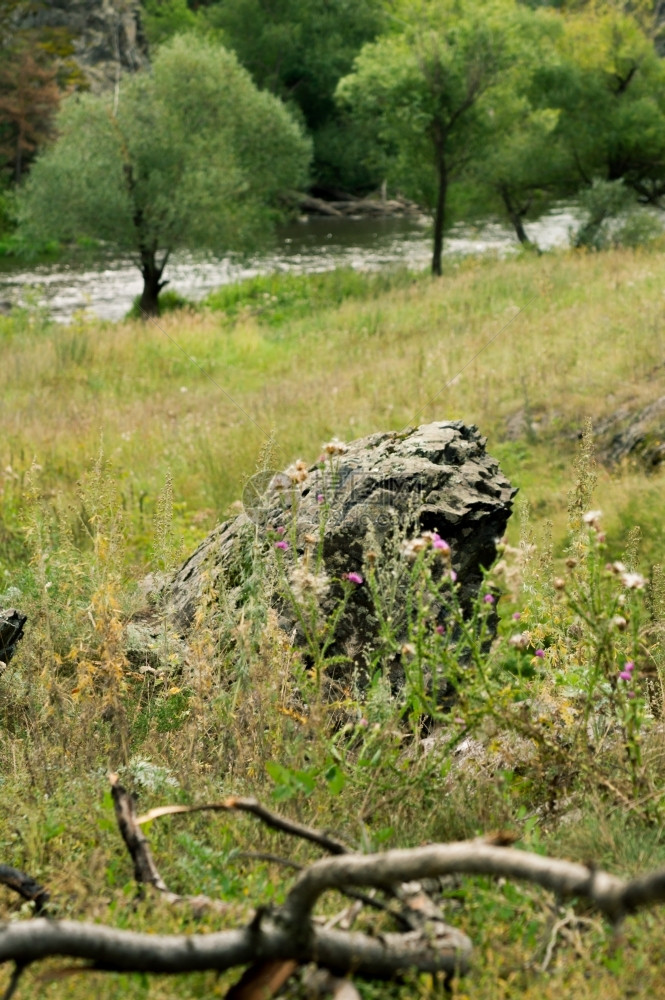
284 363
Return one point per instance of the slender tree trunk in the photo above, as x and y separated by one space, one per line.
152 283
515 217
440 212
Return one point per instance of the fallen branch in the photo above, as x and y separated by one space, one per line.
25 886
253 806
145 869
126 951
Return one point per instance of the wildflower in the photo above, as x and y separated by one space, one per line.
353 578
617 567
559 583
441 546
619 622
297 472
488 599
625 675
540 653
630 694
571 563
281 530
516 616
335 447
633 581
592 518
453 575
412 547
306 584
520 641
320 498
440 629
408 649
363 723
629 666
282 545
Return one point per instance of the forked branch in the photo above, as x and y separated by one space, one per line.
290 934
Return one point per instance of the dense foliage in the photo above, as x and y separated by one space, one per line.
468 108
192 155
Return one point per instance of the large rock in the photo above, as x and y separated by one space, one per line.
12 623
437 477
107 35
634 435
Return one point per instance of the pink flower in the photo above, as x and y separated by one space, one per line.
453 575
282 545
516 616
440 629
280 531
630 666
488 599
539 653
625 675
319 498
630 694
353 578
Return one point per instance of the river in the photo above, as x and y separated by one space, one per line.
106 285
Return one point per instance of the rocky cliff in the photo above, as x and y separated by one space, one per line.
107 35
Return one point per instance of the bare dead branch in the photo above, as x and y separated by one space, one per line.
14 980
126 951
25 886
253 806
263 980
609 894
145 869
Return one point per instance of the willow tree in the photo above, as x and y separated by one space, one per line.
192 156
423 91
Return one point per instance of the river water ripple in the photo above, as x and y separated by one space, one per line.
107 285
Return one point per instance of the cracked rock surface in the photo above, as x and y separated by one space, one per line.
436 477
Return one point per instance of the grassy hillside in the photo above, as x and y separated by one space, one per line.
123 444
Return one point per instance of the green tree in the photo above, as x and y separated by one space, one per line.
194 156
424 91
298 50
608 87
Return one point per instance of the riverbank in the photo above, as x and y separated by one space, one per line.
106 285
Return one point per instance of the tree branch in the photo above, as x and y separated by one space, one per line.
125 951
253 806
25 886
609 894
145 869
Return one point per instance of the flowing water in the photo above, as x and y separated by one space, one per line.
106 285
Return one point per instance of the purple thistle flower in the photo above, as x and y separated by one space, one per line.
453 575
280 531
516 616
282 545
540 653
625 675
320 498
630 694
353 578
630 666
488 599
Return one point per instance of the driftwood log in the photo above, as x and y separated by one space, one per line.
276 941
